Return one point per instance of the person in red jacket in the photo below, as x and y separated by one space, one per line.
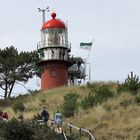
4 116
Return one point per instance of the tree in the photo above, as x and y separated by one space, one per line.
88 101
15 67
132 83
70 104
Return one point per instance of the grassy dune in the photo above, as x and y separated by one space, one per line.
116 119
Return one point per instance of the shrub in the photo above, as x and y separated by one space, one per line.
103 94
21 117
15 130
132 83
25 130
137 99
18 106
107 107
43 100
121 88
92 86
70 104
138 137
75 136
87 102
125 103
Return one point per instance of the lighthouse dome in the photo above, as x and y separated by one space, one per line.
53 23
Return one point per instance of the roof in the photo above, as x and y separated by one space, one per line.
53 23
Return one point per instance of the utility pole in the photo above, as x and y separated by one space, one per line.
43 13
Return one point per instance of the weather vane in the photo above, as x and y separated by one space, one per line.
43 13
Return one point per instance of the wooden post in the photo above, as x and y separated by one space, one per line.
89 136
80 132
70 129
52 124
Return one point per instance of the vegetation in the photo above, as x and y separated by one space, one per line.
70 104
103 94
88 101
137 99
98 107
98 97
18 106
25 130
15 67
132 84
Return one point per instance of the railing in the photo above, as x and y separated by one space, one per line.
51 123
53 56
65 137
62 132
91 137
80 130
42 44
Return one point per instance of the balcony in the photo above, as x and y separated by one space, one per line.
45 44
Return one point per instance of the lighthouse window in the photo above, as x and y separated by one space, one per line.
51 31
60 31
53 73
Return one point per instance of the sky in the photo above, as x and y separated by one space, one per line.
113 24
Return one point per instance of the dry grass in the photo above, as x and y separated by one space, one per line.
117 119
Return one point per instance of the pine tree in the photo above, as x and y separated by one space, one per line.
132 83
15 67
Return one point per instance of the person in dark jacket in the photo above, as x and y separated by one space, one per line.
45 115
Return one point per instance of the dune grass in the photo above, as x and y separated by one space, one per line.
116 119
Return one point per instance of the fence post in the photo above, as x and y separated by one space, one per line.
89 135
80 131
52 124
70 129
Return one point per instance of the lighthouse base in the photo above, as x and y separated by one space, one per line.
54 76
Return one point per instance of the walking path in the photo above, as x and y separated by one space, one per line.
61 134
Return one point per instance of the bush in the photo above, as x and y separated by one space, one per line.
121 88
137 99
103 94
25 130
15 130
21 117
125 103
132 83
43 100
70 105
18 106
107 107
92 86
88 101
75 136
138 137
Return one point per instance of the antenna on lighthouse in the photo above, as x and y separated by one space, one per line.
43 13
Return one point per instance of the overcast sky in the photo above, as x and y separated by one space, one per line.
114 24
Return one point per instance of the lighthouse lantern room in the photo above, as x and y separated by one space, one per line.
54 53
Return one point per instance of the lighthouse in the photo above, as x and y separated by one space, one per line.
54 54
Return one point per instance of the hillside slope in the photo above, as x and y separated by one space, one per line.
116 119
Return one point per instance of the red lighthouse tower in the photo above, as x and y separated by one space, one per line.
54 53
